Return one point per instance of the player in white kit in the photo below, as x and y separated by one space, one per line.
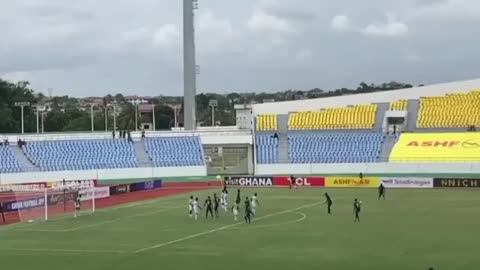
235 210
254 203
225 200
196 208
190 206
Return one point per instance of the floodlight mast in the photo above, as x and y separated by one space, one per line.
189 65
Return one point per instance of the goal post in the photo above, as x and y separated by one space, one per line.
48 203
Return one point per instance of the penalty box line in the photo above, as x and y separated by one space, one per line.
220 229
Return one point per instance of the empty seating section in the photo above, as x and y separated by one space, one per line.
8 162
400 105
266 149
175 151
356 117
335 148
459 110
81 154
267 122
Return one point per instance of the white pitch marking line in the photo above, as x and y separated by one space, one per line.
100 223
106 209
65 250
303 216
219 229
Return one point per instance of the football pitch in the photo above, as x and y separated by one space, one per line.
412 229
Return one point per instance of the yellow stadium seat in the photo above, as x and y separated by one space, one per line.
400 105
356 117
457 110
267 122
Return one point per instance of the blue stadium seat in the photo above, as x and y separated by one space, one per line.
8 162
81 154
175 151
335 147
266 149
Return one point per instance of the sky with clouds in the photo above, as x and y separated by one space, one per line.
91 47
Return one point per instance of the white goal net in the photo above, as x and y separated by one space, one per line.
47 203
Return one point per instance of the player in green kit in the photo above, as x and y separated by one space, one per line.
248 211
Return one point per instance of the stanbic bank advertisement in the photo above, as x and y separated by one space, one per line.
437 147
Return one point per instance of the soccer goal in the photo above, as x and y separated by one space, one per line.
48 203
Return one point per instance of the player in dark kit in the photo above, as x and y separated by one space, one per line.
248 211
292 181
216 204
239 199
381 191
209 207
328 202
356 209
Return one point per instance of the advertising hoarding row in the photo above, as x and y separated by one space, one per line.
347 182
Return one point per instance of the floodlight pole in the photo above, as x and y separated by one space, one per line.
38 120
190 69
43 123
213 103
115 117
153 116
106 118
22 105
175 116
91 114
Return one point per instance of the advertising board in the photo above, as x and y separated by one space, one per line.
406 182
249 181
339 181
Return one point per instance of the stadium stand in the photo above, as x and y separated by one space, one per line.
335 147
400 105
267 122
459 110
8 162
175 151
355 117
81 154
267 149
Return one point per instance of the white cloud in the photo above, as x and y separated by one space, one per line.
167 36
209 23
340 23
447 10
262 22
391 29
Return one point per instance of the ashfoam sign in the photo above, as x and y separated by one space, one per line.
338 181
407 182
437 147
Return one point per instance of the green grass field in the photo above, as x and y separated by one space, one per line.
412 229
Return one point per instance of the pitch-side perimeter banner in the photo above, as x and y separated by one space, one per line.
407 182
83 183
249 181
100 192
313 181
11 206
456 182
23 187
352 181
